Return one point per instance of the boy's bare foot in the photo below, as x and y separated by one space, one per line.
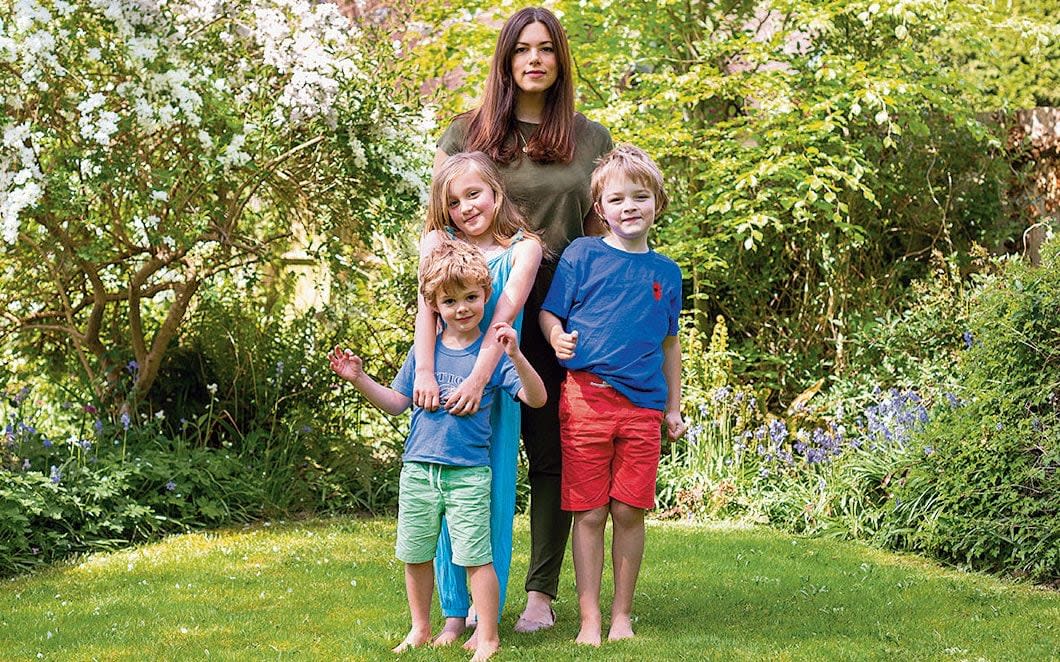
415 637
472 641
589 635
451 631
538 614
485 649
621 628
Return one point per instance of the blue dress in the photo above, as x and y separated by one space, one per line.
504 455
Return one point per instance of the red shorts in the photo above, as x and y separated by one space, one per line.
610 446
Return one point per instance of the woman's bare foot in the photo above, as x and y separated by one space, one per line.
621 628
415 637
589 635
451 631
538 614
484 649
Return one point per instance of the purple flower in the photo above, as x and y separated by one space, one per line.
170 486
969 339
125 420
46 442
953 400
778 431
85 444
98 426
132 367
21 395
928 450
89 409
56 475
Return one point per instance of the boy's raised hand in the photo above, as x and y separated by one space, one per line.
507 337
564 344
346 364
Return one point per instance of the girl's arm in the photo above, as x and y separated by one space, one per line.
425 386
675 425
526 258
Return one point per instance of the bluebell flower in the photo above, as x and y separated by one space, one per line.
763 472
721 394
778 431
21 395
999 426
125 420
56 475
170 486
969 339
928 450
132 367
46 442
98 426
85 444
953 400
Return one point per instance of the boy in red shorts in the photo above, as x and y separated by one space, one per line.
612 317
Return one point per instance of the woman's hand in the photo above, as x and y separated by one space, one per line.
425 392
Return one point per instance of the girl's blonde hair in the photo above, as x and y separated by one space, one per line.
507 219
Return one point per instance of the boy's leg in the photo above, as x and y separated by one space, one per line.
627 550
484 592
588 550
452 590
419 585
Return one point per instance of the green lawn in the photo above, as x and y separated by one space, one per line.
331 589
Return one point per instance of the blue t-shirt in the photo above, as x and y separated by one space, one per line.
622 305
440 437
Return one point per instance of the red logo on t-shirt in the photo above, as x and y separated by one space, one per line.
656 289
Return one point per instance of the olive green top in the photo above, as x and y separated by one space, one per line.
553 196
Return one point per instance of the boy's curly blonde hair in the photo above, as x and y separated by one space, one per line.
453 264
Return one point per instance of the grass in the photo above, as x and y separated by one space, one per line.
331 589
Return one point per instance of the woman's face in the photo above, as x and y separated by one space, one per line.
534 65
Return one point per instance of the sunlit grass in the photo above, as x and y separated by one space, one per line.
332 589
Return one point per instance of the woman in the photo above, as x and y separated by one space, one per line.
546 152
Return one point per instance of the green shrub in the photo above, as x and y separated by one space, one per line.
987 492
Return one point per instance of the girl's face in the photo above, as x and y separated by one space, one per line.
471 203
534 64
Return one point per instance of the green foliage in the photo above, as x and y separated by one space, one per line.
817 155
987 494
150 148
109 502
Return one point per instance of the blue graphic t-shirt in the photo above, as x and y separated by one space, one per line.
623 305
438 436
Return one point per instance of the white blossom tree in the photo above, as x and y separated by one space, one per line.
149 145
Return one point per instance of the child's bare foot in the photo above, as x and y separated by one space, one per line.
621 628
485 648
416 637
472 641
451 631
589 635
472 617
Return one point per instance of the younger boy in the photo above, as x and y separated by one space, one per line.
612 317
445 466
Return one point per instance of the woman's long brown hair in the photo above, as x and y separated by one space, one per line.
492 126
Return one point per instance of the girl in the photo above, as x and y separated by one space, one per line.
545 153
468 202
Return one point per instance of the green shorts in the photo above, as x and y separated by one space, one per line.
462 494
